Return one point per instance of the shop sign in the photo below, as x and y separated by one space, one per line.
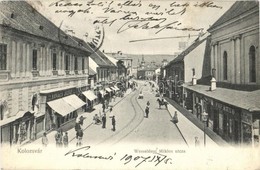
247 117
60 94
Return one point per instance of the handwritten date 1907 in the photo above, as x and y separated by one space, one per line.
156 158
153 158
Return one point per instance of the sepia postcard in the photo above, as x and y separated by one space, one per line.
129 84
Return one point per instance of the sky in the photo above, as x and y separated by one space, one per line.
116 16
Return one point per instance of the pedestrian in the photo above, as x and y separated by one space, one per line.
104 119
65 140
111 114
45 140
147 111
58 138
197 142
103 106
175 118
79 136
96 119
113 123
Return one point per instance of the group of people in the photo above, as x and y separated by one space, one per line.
103 120
60 139
79 130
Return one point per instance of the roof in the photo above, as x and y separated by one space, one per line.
237 9
113 60
246 100
92 72
92 64
101 60
182 55
27 19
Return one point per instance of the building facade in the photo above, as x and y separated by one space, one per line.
231 95
34 59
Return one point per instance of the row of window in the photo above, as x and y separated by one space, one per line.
252 65
3 60
54 61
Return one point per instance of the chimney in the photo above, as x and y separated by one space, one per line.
213 81
194 79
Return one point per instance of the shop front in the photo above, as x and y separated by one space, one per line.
62 107
18 129
109 94
223 119
226 121
90 100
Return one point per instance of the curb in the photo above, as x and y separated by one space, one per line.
178 129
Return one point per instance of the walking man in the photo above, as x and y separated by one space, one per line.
45 140
197 142
113 123
79 136
58 138
103 106
104 119
65 140
147 111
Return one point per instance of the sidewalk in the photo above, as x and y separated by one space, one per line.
87 122
191 127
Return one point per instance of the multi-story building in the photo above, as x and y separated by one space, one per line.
43 73
230 97
128 61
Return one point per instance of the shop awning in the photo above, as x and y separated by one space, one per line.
74 101
18 115
90 95
8 120
108 89
113 88
116 88
61 107
102 92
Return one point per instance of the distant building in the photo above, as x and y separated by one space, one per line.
127 61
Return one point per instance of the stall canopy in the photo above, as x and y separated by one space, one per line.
61 107
108 90
90 95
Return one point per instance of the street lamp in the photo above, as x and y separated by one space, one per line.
175 84
204 119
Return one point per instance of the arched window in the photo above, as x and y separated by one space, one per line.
252 64
225 73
